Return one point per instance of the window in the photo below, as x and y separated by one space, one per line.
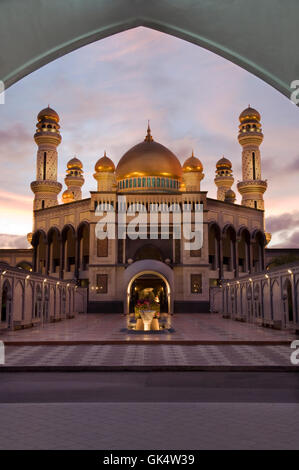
130 184
43 204
139 182
102 284
134 183
102 248
158 182
143 182
45 166
148 182
127 183
162 182
253 166
154 182
196 283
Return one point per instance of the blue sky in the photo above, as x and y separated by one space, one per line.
106 92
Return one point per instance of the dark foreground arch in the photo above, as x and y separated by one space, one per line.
261 37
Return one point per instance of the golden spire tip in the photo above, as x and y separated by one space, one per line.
148 137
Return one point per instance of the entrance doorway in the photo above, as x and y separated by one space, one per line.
149 286
6 303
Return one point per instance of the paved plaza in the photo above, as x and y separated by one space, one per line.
148 356
147 426
106 328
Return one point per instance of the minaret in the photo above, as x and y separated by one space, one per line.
47 137
252 187
224 177
105 174
192 173
74 178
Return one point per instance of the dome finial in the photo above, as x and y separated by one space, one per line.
105 153
192 153
148 137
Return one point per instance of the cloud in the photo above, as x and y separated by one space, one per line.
286 221
13 241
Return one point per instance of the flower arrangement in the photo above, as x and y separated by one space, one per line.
146 304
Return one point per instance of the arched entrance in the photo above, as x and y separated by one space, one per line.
288 298
148 280
150 286
6 303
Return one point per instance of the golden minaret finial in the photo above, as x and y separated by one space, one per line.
148 137
105 153
192 153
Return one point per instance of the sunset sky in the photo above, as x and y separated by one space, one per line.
106 92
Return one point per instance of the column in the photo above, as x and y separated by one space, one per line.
220 258
250 249
48 258
34 267
237 257
61 257
77 256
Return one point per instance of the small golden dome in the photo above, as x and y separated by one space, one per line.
223 163
74 163
48 113
105 164
230 194
192 164
249 114
67 196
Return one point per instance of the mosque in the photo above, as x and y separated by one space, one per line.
113 272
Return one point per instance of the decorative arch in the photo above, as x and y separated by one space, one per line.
84 22
39 243
155 267
83 233
68 240
214 237
19 301
24 265
54 255
6 299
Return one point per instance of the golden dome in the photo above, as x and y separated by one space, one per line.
67 196
230 195
249 114
105 164
223 163
192 164
74 163
48 113
148 158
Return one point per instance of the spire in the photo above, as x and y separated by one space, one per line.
192 153
105 153
148 137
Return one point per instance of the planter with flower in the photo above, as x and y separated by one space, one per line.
147 313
